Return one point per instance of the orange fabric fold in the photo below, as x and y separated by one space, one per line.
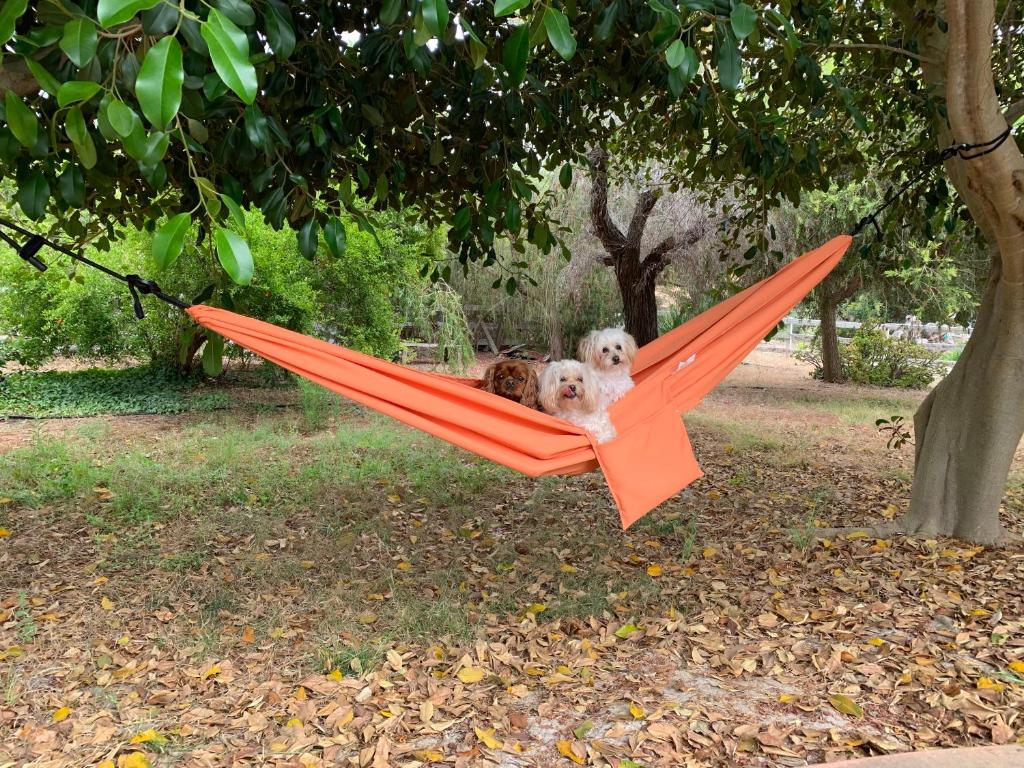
649 461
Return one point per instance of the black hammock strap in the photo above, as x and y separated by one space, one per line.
139 286
956 149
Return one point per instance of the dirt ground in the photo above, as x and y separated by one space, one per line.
349 593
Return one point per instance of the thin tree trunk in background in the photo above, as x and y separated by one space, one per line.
831 360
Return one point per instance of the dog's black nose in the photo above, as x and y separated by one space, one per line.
572 388
615 359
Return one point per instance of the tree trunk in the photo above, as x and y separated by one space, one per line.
831 361
967 430
637 275
640 307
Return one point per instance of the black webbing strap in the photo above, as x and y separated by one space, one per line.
137 286
957 149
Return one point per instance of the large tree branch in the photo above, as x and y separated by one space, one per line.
15 76
660 256
1014 112
641 213
605 228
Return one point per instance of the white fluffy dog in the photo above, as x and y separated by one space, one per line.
569 390
611 352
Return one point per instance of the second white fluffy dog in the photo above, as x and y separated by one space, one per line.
611 352
569 390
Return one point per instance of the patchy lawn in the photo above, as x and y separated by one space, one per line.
313 585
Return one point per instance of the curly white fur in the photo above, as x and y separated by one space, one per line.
611 352
568 390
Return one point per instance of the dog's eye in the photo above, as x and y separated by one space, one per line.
561 379
618 346
605 350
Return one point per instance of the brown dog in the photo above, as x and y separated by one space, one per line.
512 379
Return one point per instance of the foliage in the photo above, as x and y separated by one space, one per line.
96 391
72 308
435 312
453 108
875 359
358 290
895 430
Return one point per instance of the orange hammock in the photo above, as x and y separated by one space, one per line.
649 460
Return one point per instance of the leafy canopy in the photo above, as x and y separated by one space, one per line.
134 110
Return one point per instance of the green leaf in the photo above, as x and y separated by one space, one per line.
743 19
79 41
435 16
111 12
229 50
565 176
46 81
238 11
689 66
122 118
169 240
71 186
209 193
516 53
234 255
581 730
729 64
675 53
559 33
10 12
309 238
158 86
664 8
626 630
234 210
335 237
505 7
74 125
86 150
606 23
280 30
389 12
846 705
76 90
21 120
33 194
213 354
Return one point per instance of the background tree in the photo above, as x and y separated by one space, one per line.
635 272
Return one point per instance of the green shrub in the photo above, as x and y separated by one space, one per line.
875 359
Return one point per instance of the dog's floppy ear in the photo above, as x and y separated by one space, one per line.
629 345
489 378
587 347
529 398
589 397
547 388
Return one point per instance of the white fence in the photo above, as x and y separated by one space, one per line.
937 338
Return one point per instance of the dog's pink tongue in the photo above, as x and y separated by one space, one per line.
567 392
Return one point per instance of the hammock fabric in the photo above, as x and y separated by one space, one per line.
649 461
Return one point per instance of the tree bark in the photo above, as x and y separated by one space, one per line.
831 359
831 295
967 430
636 275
